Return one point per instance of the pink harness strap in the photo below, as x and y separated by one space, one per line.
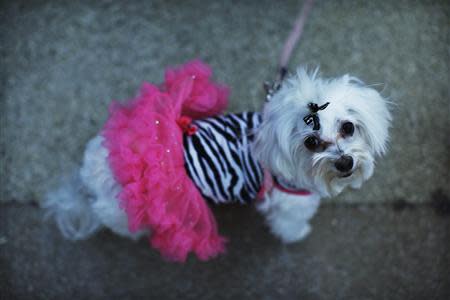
269 184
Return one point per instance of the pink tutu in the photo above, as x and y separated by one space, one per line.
145 143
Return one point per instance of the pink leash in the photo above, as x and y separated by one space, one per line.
289 45
294 37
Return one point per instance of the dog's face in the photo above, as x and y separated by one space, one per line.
353 131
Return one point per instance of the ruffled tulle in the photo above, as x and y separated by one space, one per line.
145 146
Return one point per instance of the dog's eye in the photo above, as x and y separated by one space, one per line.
347 129
312 143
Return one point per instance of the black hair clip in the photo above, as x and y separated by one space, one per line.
313 117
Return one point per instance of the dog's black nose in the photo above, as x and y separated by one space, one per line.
344 163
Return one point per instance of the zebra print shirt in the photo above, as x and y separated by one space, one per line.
218 159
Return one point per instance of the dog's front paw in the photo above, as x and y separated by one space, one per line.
303 233
288 215
292 235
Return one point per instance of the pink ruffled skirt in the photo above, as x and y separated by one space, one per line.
145 143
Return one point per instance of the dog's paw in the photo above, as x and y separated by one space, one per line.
292 236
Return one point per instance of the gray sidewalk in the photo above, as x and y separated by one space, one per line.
354 252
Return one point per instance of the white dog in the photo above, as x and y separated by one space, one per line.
353 130
315 138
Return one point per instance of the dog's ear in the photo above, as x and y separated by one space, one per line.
374 118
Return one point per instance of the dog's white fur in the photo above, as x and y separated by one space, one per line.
278 145
88 200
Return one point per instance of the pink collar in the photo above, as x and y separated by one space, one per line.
299 192
270 183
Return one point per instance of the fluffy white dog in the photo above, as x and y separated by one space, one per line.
352 131
316 136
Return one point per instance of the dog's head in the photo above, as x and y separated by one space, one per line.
323 147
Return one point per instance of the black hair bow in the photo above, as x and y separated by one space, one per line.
313 117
